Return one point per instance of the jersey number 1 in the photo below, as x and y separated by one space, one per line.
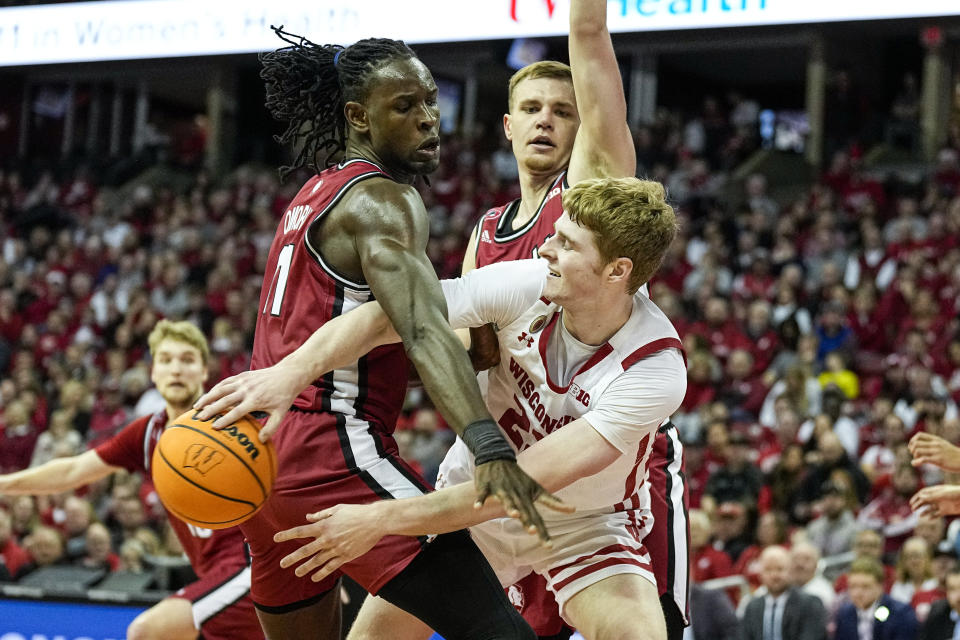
279 285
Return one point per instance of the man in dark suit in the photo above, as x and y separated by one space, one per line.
942 622
871 615
784 613
712 616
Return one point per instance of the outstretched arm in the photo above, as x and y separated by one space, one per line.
57 475
345 532
604 144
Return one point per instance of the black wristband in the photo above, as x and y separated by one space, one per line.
486 442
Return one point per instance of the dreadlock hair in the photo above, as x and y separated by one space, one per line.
307 86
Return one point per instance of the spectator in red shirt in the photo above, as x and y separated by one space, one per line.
771 530
706 562
99 554
108 416
765 343
914 570
719 329
17 438
743 391
890 513
13 555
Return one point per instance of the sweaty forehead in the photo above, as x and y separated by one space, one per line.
404 75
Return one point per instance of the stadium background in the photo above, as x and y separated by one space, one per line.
812 154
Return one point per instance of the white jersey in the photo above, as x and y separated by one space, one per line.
625 404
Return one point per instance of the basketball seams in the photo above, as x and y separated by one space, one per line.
253 473
186 518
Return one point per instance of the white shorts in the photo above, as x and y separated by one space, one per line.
587 547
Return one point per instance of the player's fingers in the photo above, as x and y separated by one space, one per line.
219 390
551 501
273 423
482 497
327 569
219 406
231 416
301 554
314 562
319 515
510 504
295 533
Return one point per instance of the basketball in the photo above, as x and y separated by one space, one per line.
209 478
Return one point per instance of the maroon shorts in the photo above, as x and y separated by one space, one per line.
326 459
221 605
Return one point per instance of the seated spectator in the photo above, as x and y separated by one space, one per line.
943 621
868 544
738 480
732 529
833 332
870 613
45 547
833 531
783 611
836 374
890 512
23 516
783 483
879 459
15 558
706 562
99 554
131 556
805 574
800 388
60 439
944 562
78 514
829 458
914 570
742 390
17 438
771 530
721 331
108 416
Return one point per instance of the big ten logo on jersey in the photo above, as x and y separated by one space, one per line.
199 532
295 217
579 394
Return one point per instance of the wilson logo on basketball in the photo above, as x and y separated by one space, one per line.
202 458
244 441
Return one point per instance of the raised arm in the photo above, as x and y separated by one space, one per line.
604 144
57 475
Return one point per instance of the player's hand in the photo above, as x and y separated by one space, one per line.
927 448
940 500
340 534
505 481
272 390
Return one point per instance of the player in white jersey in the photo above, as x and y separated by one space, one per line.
588 373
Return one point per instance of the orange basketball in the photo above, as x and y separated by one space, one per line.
213 479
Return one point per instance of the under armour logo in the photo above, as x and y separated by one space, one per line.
201 457
523 336
551 6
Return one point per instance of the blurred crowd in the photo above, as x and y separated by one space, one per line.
821 333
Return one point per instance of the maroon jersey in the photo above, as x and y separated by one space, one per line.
497 241
207 549
301 292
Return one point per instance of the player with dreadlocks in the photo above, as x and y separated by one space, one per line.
356 231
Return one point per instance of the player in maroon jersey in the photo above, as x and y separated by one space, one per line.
358 231
218 604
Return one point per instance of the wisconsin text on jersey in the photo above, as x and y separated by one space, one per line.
517 424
